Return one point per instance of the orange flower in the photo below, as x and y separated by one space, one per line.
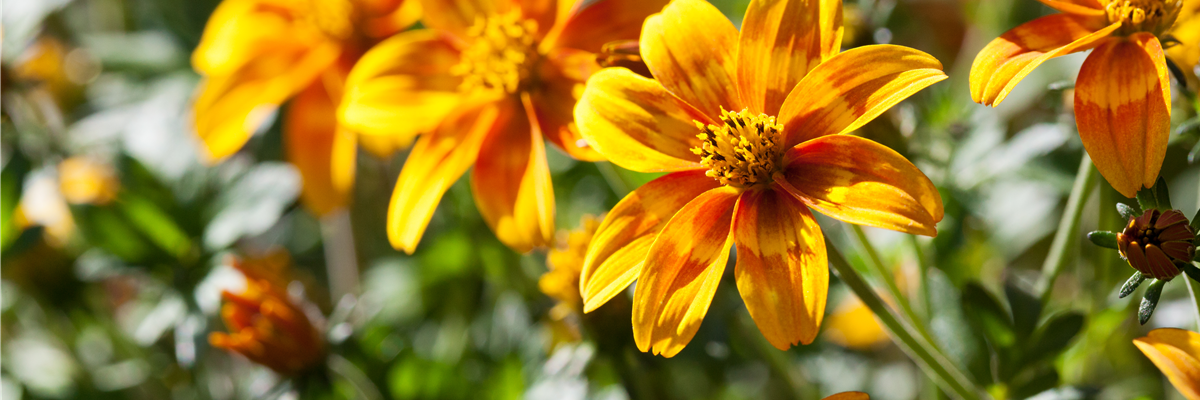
1123 93
487 82
1177 353
265 324
256 54
748 179
561 282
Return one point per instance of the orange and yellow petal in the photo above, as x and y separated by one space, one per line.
636 123
437 160
862 182
614 259
402 87
600 22
229 109
1009 58
1176 352
852 88
687 48
388 17
511 182
324 154
848 396
780 42
1090 8
681 273
1123 111
782 271
564 71
241 31
456 17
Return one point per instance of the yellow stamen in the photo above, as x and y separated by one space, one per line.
502 53
1154 16
743 152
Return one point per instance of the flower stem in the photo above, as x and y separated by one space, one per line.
875 263
927 357
1193 291
923 276
1068 228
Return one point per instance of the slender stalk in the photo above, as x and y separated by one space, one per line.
338 238
923 276
613 177
875 263
1068 229
924 353
1193 290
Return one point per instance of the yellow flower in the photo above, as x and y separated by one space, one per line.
84 180
256 54
853 325
265 324
746 178
1185 51
1123 92
1177 353
486 83
565 260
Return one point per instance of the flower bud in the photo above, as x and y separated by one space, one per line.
1155 241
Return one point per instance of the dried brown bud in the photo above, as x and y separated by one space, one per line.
1155 241
623 53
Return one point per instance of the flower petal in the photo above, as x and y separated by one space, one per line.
1186 54
623 240
600 22
435 162
1123 111
852 88
324 154
230 108
635 123
862 182
402 87
1176 353
688 49
511 182
782 270
1009 58
779 43
849 396
1091 8
554 100
457 16
681 273
241 31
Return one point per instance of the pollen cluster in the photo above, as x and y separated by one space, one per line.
743 152
1154 16
503 51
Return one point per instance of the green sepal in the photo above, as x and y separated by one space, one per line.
1131 284
1146 199
1150 300
1162 194
1127 211
1103 239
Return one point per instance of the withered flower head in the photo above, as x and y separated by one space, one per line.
1155 241
265 324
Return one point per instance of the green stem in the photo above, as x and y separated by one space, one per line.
1193 290
613 178
923 271
927 357
875 263
1068 229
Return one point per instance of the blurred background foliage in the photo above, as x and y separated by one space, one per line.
117 241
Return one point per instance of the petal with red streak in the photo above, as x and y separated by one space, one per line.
780 42
687 48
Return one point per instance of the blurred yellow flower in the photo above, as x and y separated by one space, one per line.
747 179
1177 353
42 204
486 84
256 54
1185 49
84 180
565 260
853 325
265 324
1123 92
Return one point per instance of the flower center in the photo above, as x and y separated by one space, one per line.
502 54
332 17
743 152
1154 16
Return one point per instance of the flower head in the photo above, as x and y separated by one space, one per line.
257 54
1123 93
1176 352
84 180
749 126
486 85
265 324
1156 241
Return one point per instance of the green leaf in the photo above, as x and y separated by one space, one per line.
951 329
156 225
989 315
1150 300
1054 335
11 180
1103 239
1131 284
1026 310
1127 212
1191 271
1035 381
